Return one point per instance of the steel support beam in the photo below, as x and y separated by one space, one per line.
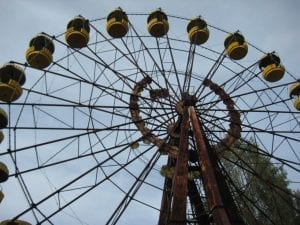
166 200
180 178
197 205
214 199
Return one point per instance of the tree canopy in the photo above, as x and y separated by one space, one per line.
260 186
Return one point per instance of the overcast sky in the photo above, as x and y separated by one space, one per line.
271 25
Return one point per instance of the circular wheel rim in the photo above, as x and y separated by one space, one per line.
109 69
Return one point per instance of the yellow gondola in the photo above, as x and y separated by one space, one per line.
295 89
157 23
1 136
77 34
236 46
12 77
40 51
3 119
3 172
117 23
1 196
297 103
198 32
272 70
15 222
134 145
168 171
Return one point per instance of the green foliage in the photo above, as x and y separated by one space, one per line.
260 186
297 206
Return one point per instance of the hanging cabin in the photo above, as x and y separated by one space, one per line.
198 32
4 173
295 92
14 222
272 70
157 23
3 119
117 23
1 196
40 52
77 33
12 77
297 103
236 46
1 136
134 145
168 172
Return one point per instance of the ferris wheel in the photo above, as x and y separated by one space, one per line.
124 119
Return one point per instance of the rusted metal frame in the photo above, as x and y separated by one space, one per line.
214 199
180 178
200 215
166 201
227 198
189 69
165 209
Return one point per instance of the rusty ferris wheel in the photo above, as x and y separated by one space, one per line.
133 123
